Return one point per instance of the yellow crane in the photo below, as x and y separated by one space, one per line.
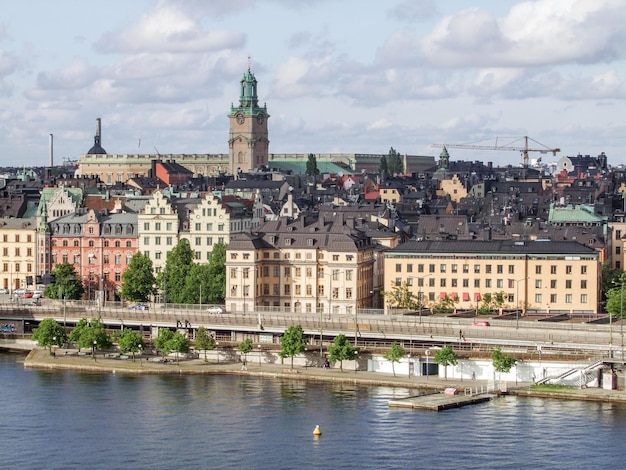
509 144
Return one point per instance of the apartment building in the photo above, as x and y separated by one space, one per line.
18 252
99 245
305 265
544 276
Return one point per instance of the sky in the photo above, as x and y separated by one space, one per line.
338 76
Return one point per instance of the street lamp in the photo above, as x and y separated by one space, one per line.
140 354
95 343
517 301
427 354
260 355
420 282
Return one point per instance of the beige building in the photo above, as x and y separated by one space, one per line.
617 242
544 276
452 187
18 260
305 265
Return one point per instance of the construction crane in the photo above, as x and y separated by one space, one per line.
508 145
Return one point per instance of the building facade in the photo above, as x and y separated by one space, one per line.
305 265
18 252
542 276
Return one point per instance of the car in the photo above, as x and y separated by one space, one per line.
19 291
215 309
37 294
4 291
480 323
28 295
139 307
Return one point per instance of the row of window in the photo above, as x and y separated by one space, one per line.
16 267
92 243
106 260
274 271
499 284
465 268
297 290
17 251
16 238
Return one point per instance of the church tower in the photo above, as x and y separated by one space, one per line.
248 142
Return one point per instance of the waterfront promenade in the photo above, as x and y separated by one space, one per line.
41 358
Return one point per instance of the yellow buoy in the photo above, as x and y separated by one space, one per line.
317 431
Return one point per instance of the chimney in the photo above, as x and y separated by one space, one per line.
51 150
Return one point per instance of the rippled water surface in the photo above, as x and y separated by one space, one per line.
67 420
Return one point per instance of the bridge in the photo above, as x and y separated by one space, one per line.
529 336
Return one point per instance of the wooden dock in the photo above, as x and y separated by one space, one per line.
440 401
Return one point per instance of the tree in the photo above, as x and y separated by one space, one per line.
197 284
311 166
490 303
162 341
502 362
216 287
204 341
610 277
174 275
615 297
77 331
179 344
138 280
446 357
395 353
49 333
245 347
401 296
93 335
129 340
292 342
67 283
384 168
445 305
342 350
394 162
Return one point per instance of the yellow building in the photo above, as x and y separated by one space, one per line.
305 265
17 253
543 276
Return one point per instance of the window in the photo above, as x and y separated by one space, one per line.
197 240
157 255
128 244
477 269
454 268
220 228
409 267
64 243
553 284
398 268
454 282
146 240
511 269
488 283
553 269
157 226
168 241
618 234
499 269
91 244
568 298
568 283
442 268
568 269
618 250
117 244
583 298
583 269
538 269
276 271
488 269
118 277
157 240
287 271
442 283
431 268
348 274
348 292
538 284
118 259
77 259
499 284
420 268
477 283
168 226
583 284
465 282
76 243
552 298
466 268
537 298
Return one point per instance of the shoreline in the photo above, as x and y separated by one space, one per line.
41 359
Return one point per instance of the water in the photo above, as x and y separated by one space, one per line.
67 420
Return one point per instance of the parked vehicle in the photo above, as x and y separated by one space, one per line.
215 309
4 291
139 307
28 295
37 294
480 323
19 291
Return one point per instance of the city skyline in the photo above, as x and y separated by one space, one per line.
337 77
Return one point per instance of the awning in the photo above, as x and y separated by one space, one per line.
442 295
454 295
466 296
477 296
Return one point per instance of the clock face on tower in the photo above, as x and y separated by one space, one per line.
240 118
260 118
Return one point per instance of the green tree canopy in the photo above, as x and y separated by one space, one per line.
129 340
138 280
216 287
162 341
311 166
446 357
92 335
179 344
491 302
445 305
395 354
204 341
615 298
245 347
342 350
394 162
197 283
49 333
384 167
502 362
67 283
77 331
401 296
292 342
174 275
